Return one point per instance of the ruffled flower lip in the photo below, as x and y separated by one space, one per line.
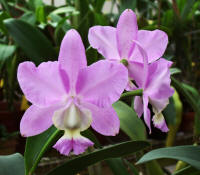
77 145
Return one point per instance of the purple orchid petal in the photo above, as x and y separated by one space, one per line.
36 120
147 115
103 38
64 146
80 144
154 43
136 72
159 122
72 55
158 83
72 142
126 32
38 85
102 83
145 69
104 120
138 106
159 104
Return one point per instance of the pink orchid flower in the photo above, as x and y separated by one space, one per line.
138 51
123 43
68 94
156 91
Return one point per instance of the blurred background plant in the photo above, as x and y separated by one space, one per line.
32 31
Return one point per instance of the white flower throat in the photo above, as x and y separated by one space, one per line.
72 118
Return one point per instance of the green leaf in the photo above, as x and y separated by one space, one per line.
79 163
189 154
6 51
29 17
5 5
190 95
178 85
187 7
174 71
3 16
12 164
40 14
33 4
65 10
128 4
35 45
36 146
129 121
117 166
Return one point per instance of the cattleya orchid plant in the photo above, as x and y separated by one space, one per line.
73 96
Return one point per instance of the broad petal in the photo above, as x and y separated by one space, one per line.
136 72
159 122
138 106
154 43
158 82
41 85
36 120
147 115
159 104
102 83
126 32
72 55
104 120
103 38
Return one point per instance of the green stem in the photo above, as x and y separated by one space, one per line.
173 128
137 92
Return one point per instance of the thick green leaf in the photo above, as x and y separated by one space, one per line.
79 163
12 164
189 154
36 146
129 121
36 46
6 51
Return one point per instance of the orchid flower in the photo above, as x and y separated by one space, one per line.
122 44
71 96
156 91
138 51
